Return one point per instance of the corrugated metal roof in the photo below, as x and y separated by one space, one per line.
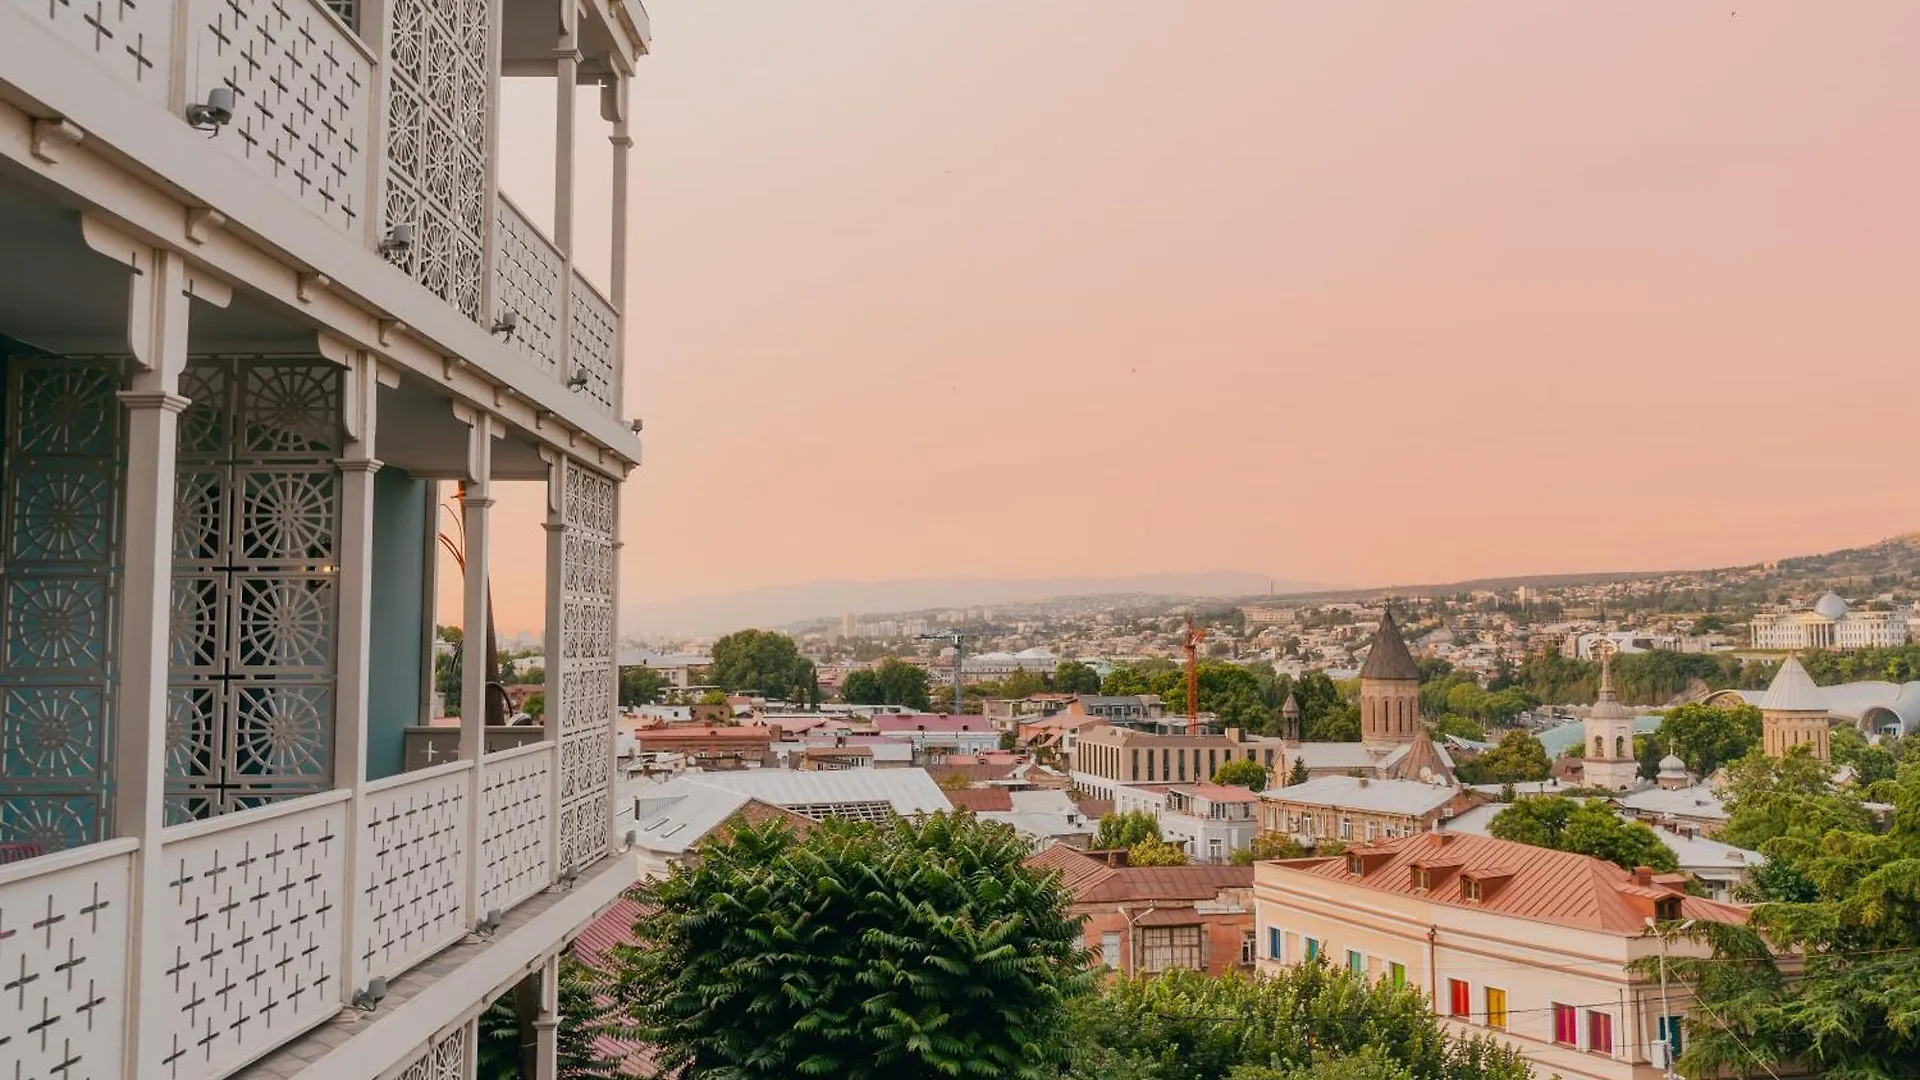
1792 690
1136 883
910 791
1359 793
1542 884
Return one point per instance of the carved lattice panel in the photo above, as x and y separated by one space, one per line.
594 343
589 507
254 606
448 1057
253 916
438 142
513 842
412 872
59 584
526 281
301 97
63 954
133 39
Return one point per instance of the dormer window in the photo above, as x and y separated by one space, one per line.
1421 878
1667 909
1470 888
1356 865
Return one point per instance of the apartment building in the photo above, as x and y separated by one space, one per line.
1524 943
1212 821
1146 920
1360 808
1107 757
268 307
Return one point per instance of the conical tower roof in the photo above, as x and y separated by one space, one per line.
1290 707
1792 690
1388 657
1422 760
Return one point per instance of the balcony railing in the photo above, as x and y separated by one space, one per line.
527 269
594 343
254 914
64 936
271 918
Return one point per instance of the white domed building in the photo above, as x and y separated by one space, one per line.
1830 624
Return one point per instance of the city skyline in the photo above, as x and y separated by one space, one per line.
1088 257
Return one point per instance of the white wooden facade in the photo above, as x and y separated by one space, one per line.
211 344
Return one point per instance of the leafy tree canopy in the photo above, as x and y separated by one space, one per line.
909 951
1269 846
893 682
1518 758
640 685
1074 677
1126 829
507 1034
1154 851
1242 771
765 663
1183 1025
1709 736
1589 828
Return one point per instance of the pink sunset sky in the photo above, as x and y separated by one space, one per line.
1359 293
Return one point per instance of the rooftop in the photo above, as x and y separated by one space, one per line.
1520 880
1359 793
1387 657
1792 690
1218 793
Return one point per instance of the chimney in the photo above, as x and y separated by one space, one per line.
1363 781
1643 876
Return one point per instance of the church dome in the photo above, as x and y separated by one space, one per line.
1830 606
1672 763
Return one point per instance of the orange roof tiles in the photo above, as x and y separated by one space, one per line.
1519 879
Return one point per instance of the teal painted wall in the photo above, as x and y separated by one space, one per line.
399 581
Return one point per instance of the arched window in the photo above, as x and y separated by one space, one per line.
1599 746
1620 746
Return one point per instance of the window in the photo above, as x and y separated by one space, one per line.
1166 764
1667 908
1249 949
1313 949
1356 865
1167 948
1566 1030
1212 762
1213 849
1470 888
1135 774
1459 998
1496 1008
1182 758
1599 1032
1149 766
1356 961
1346 828
1421 879
1110 949
1373 830
1670 1033
1397 975
1276 947
1269 759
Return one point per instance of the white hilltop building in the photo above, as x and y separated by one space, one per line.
266 307
1830 624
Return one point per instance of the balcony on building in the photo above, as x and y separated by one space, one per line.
235 416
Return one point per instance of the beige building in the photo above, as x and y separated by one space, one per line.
1795 713
1389 690
1355 809
1524 943
1106 757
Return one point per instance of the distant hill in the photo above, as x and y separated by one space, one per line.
779 605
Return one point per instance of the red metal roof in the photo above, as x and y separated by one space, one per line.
981 799
1522 880
1137 883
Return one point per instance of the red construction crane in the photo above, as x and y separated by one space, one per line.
1192 648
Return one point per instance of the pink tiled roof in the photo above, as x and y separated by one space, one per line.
1220 793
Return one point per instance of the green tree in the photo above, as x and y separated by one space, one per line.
1518 758
1845 898
1074 677
1125 830
1870 764
640 685
894 682
1021 683
1457 726
1184 1025
1154 851
507 1036
1788 799
764 663
536 706
1298 774
1589 828
1269 846
1243 771
1340 723
1709 736
914 950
